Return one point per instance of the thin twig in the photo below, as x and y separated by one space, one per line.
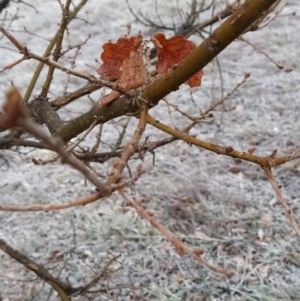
56 145
61 288
52 207
224 150
47 52
130 148
10 66
121 135
281 199
83 137
9 142
63 100
281 160
98 139
77 203
56 53
287 70
180 246
98 277
30 55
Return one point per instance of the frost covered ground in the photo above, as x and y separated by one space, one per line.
222 205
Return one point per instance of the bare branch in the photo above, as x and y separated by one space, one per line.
61 288
287 70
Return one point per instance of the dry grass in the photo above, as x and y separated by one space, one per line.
224 206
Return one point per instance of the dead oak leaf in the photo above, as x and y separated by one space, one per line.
134 75
114 54
134 71
171 51
12 109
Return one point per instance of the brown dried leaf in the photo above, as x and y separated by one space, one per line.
114 54
12 109
134 75
134 72
171 51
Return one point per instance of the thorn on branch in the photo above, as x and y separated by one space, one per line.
251 150
228 150
273 154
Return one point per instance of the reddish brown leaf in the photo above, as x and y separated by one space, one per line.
195 80
171 51
134 72
12 109
114 54
107 99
